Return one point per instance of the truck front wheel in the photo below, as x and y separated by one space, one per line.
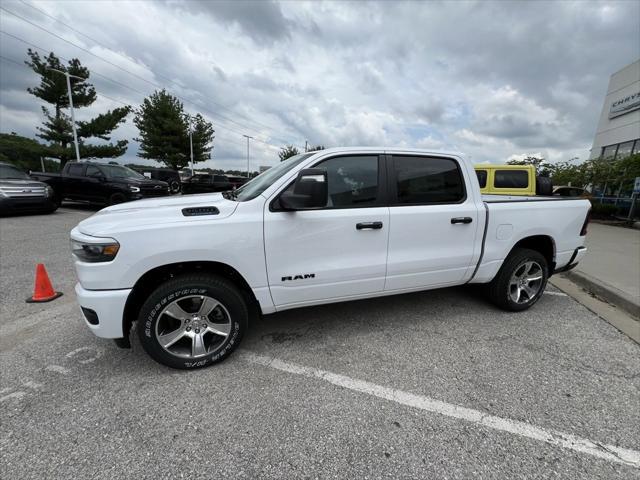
193 321
521 280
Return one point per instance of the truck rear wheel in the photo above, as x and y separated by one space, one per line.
193 321
521 280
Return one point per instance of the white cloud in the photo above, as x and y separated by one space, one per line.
491 79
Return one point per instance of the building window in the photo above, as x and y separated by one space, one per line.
624 150
609 153
620 150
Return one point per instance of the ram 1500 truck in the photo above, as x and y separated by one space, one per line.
321 227
105 184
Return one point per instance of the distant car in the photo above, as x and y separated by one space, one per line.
237 181
168 175
20 193
101 183
205 183
565 191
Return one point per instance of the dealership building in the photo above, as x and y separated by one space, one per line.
618 132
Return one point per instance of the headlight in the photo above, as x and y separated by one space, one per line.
48 192
95 252
134 189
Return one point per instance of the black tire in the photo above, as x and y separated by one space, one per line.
500 289
183 289
544 186
57 201
117 198
175 186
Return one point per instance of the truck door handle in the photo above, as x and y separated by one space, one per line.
455 220
369 225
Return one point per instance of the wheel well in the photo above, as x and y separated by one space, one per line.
542 244
154 278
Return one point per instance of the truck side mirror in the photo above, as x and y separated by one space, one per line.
310 191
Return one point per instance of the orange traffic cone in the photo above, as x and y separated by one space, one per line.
43 290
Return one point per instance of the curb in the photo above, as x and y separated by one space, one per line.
608 312
607 292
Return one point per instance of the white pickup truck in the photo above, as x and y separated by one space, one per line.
328 226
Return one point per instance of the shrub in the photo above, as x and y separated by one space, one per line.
599 210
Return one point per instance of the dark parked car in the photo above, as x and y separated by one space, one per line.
237 181
206 182
101 183
172 177
20 193
564 191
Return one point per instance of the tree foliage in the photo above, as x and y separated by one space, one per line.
56 128
609 177
164 131
316 148
25 153
287 152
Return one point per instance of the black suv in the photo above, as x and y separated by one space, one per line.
205 183
106 184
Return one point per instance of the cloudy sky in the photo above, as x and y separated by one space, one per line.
491 80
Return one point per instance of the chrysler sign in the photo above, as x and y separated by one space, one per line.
625 105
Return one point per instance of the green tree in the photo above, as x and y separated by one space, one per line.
541 167
25 153
57 129
316 148
164 131
287 152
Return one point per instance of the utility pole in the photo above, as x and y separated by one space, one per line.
305 146
247 137
73 118
191 145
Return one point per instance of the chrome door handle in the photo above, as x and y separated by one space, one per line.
455 220
369 226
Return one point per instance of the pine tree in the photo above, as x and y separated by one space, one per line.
164 131
56 128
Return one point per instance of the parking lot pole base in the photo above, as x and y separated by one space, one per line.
43 300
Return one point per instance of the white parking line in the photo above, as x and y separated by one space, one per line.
560 439
559 294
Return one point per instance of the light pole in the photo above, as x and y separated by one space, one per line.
191 145
247 137
73 118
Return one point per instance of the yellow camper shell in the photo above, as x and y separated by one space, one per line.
506 179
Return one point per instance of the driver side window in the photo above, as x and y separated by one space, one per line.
352 181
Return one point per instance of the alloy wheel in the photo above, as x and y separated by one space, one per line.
193 326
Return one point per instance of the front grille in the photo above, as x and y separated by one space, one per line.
23 192
154 192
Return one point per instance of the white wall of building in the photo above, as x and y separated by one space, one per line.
623 91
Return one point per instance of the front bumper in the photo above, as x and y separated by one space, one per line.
103 310
9 205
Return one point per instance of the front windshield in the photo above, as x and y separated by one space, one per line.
118 171
259 184
8 172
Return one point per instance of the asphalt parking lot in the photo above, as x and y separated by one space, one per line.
437 384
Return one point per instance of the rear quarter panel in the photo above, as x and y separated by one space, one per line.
513 220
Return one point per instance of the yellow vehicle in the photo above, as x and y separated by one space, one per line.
511 180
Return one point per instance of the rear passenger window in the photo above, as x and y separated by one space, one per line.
428 180
75 169
482 177
511 179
